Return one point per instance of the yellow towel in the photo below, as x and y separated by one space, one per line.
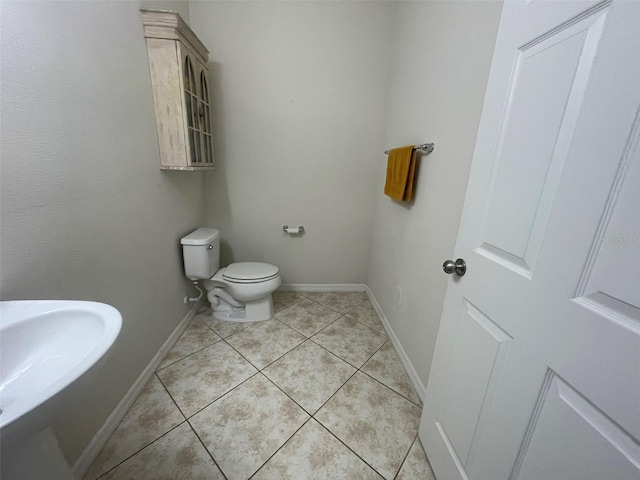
401 167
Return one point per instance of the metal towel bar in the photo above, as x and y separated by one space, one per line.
424 148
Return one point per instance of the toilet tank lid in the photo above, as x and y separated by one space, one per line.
201 236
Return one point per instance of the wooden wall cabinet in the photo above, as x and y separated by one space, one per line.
181 95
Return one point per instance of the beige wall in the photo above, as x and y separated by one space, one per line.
440 65
299 98
86 213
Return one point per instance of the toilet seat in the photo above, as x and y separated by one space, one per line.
250 272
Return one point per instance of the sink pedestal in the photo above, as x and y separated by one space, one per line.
34 458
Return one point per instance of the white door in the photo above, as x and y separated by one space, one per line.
536 373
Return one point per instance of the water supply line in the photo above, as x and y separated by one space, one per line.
194 299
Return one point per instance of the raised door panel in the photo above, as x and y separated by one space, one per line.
617 295
593 446
478 351
479 348
604 306
548 79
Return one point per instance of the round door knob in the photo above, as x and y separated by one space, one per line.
459 267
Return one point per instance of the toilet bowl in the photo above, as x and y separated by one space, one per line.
240 292
250 284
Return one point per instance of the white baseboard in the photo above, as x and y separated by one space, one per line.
323 287
415 379
102 436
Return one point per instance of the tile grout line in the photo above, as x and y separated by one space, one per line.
387 386
197 315
153 441
329 351
287 395
221 396
320 304
206 449
280 447
170 396
247 325
325 348
380 381
405 458
138 451
345 314
189 355
289 305
368 326
315 333
348 447
333 395
260 369
331 308
358 368
191 426
359 323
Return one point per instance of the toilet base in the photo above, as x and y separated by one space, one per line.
253 311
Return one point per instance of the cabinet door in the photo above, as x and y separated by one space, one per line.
197 110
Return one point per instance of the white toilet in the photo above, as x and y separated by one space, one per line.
240 292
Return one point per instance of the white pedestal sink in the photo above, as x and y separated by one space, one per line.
47 351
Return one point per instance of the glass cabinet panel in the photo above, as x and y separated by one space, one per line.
192 106
206 119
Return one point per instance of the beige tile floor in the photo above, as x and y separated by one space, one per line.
318 392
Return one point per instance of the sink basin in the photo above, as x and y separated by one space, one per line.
45 346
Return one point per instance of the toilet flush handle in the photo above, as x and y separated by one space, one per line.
210 247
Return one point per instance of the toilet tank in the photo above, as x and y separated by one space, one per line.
201 253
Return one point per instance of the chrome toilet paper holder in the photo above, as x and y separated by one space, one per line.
293 230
